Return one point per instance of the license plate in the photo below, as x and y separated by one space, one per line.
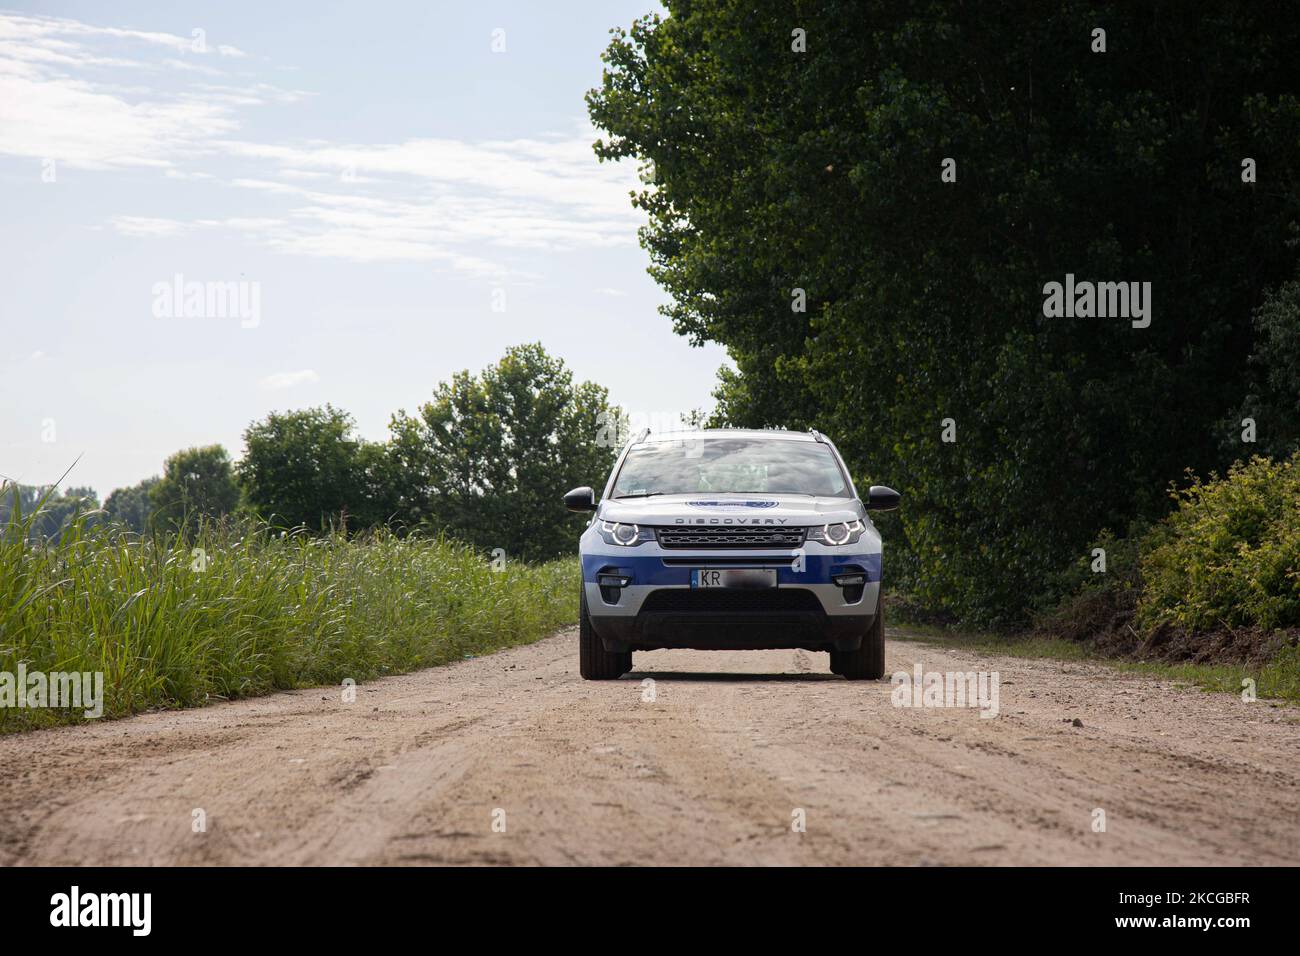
734 578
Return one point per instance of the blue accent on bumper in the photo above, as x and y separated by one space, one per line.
650 569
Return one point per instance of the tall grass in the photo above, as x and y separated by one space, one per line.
238 610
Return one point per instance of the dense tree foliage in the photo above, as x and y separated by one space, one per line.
309 468
197 483
774 169
49 509
132 507
1274 404
488 459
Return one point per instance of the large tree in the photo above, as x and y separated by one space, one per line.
197 484
803 146
490 457
132 506
309 468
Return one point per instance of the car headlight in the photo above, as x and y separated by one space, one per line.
625 535
838 533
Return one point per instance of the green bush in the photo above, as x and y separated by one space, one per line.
1231 554
237 610
1081 602
1218 577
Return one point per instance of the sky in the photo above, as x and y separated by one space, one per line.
210 211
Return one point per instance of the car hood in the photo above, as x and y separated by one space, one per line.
714 509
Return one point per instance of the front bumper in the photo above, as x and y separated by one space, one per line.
658 608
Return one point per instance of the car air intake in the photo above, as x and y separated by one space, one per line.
730 600
729 537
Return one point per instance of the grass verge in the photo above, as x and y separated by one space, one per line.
1278 679
241 611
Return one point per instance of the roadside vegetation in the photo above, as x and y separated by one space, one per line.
317 556
798 213
867 208
1277 678
1210 594
236 609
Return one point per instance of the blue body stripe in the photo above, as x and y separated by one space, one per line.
650 569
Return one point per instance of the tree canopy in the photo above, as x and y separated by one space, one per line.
490 456
309 468
917 172
197 483
132 506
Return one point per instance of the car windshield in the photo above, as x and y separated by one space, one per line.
731 465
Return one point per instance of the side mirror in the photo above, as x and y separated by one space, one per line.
881 498
581 499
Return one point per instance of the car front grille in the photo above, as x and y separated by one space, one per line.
729 537
730 600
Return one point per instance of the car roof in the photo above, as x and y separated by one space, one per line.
689 434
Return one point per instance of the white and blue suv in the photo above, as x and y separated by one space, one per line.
729 540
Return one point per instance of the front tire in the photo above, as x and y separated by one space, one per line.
594 662
868 661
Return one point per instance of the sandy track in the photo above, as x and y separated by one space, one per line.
712 771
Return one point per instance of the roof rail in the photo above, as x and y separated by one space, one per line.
817 436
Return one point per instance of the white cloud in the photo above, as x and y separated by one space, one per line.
41 29
154 226
281 380
191 67
147 226
555 169
471 206
435 222
75 124
62 96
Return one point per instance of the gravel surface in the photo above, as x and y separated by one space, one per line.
734 752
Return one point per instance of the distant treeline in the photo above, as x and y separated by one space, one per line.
485 461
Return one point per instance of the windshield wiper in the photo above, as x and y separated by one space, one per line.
640 494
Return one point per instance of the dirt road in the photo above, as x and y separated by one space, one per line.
715 769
